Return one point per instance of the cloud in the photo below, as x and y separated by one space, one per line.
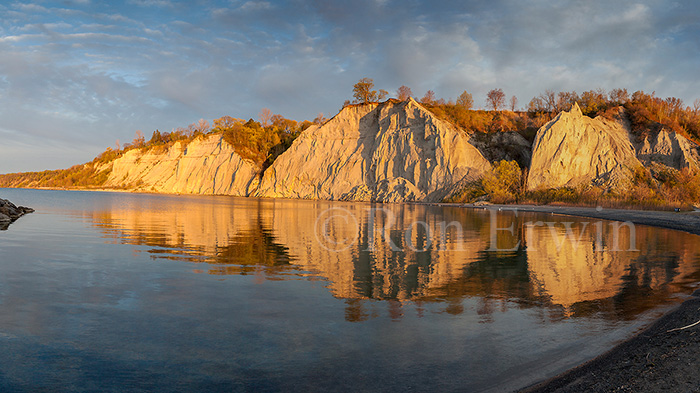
86 73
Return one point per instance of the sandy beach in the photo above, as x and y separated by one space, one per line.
663 357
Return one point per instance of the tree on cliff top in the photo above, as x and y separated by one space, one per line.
403 93
363 93
465 100
496 99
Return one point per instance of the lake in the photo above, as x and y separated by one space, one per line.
105 291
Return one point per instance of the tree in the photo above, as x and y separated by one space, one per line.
201 126
513 103
139 139
465 100
619 96
495 99
265 116
549 97
504 182
403 93
428 98
565 100
320 119
537 105
226 122
363 93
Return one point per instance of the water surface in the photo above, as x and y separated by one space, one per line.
116 291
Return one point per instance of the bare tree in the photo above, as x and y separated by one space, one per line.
320 119
428 98
550 100
619 96
403 93
513 103
465 100
139 139
265 116
495 99
201 126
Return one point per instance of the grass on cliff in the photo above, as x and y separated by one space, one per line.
658 188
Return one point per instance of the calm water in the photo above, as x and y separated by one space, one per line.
114 292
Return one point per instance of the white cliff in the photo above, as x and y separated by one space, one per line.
389 152
206 165
573 150
669 148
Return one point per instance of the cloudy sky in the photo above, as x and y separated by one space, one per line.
75 76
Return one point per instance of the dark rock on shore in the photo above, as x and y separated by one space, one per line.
9 213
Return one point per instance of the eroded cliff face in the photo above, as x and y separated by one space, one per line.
207 165
573 150
670 149
389 152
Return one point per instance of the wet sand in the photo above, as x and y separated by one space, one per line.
662 357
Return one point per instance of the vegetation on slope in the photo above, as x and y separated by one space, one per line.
260 142
661 188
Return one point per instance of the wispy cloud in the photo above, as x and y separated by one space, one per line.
84 73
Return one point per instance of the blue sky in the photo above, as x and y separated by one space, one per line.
75 76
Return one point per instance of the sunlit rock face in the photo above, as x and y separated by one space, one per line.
389 152
670 149
573 150
207 165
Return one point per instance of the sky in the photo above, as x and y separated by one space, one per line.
76 76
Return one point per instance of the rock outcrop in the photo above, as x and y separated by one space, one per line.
207 165
389 152
573 150
670 149
9 213
508 145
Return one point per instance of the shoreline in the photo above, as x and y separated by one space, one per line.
662 357
680 221
658 358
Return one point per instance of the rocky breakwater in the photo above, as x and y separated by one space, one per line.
9 213
207 165
389 152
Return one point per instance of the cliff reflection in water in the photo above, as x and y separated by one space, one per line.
419 253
